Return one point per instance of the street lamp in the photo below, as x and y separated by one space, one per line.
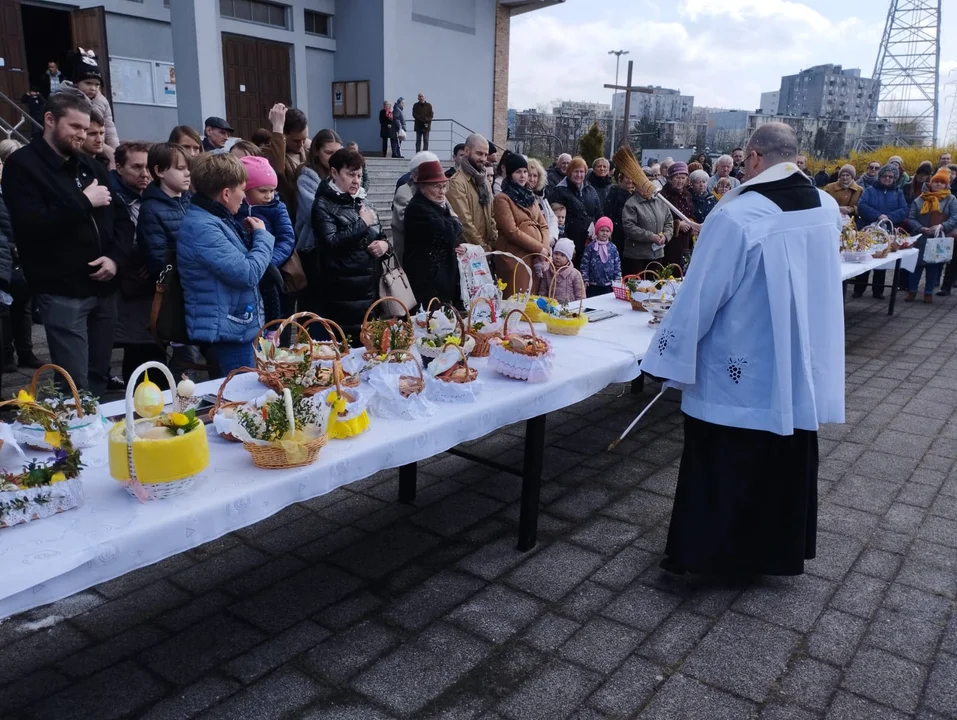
614 115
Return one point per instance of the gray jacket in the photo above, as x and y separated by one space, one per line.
399 203
306 185
641 220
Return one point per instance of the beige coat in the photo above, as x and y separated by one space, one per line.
478 226
641 220
520 231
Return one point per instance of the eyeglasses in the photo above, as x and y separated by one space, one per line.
873 167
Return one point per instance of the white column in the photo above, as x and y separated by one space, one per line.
198 56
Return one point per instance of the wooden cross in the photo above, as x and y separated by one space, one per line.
628 91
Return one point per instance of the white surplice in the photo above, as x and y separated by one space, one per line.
755 338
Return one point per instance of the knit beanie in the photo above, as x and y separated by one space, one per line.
515 161
566 247
890 169
848 169
259 172
83 66
896 159
677 168
942 176
925 168
421 157
604 222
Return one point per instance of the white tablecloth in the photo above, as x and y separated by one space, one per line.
114 533
907 257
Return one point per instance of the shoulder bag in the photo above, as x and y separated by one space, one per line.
393 282
168 313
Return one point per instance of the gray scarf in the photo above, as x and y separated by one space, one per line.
478 180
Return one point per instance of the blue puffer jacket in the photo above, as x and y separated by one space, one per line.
878 200
220 278
160 219
276 219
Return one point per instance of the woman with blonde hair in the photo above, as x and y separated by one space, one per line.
537 182
7 148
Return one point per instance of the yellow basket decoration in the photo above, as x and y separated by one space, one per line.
348 416
150 461
569 323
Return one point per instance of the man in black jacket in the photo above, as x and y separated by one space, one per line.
71 238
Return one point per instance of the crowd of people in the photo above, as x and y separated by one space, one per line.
255 229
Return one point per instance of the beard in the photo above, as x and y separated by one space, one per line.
480 168
65 143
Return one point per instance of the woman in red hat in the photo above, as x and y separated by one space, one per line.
433 237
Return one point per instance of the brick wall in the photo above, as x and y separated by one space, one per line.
500 85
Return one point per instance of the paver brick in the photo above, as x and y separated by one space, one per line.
285 691
809 683
276 651
601 645
551 573
886 678
496 613
628 689
642 607
552 694
941 693
686 698
431 599
343 655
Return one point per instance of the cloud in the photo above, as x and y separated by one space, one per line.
725 53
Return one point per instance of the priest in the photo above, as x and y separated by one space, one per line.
755 343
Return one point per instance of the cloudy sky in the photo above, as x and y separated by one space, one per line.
724 52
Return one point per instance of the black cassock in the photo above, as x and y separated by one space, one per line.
746 501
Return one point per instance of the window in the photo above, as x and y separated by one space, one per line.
256 11
318 23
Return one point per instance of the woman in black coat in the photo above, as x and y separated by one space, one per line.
618 195
582 204
387 130
349 241
433 237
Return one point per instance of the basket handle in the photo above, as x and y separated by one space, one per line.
475 302
428 308
518 261
217 404
302 330
69 382
35 405
644 274
524 317
465 358
677 268
138 490
365 318
262 330
418 365
330 327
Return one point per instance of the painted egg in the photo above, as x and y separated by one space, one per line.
148 399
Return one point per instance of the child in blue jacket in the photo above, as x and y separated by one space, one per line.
221 259
261 202
601 264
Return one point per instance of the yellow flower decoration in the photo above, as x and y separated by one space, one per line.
24 396
332 397
52 438
339 406
453 341
57 477
178 419
501 284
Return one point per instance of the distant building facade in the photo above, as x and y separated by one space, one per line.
769 102
662 104
828 91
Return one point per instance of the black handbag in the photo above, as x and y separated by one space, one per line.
168 313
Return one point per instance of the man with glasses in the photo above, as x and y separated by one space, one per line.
870 176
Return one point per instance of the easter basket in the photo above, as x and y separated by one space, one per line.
431 345
282 431
640 286
422 318
380 336
451 379
279 367
348 414
398 395
482 333
558 319
523 357
160 455
222 413
335 347
518 299
328 356
80 412
42 489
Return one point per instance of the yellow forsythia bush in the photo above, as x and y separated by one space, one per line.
913 156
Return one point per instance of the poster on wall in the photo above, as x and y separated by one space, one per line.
131 81
350 99
164 82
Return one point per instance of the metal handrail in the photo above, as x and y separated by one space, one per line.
12 130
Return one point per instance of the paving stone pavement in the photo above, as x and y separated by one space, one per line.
353 606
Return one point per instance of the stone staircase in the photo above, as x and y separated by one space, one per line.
383 174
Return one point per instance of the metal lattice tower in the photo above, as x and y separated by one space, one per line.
950 134
908 67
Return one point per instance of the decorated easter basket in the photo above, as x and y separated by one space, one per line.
279 367
328 356
518 299
422 318
380 336
349 411
451 378
42 489
523 357
431 345
560 321
641 286
399 395
482 335
160 455
87 427
221 414
299 443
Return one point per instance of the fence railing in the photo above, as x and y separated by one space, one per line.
25 121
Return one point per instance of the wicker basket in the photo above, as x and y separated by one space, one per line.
453 374
482 339
518 300
468 343
32 436
646 274
566 326
339 347
279 374
518 365
406 333
219 405
421 323
275 457
410 384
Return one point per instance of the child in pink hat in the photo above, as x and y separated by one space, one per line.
263 203
601 264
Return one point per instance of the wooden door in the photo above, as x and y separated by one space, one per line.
88 29
14 78
257 75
